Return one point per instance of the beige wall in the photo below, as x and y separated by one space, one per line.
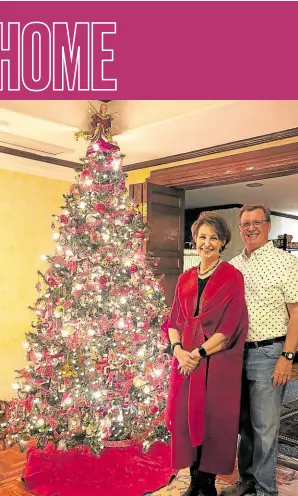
27 203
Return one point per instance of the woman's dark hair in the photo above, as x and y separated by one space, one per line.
218 223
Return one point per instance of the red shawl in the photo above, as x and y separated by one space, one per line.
212 410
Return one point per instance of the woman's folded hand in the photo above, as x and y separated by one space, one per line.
187 363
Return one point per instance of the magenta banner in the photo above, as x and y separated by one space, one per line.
148 50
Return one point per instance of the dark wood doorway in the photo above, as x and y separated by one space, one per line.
163 211
162 197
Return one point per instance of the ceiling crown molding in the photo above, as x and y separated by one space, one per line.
226 147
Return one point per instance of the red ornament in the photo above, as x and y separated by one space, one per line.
49 371
140 235
103 280
100 207
29 403
86 175
63 219
67 304
153 409
133 269
52 282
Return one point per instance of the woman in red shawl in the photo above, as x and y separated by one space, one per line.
207 328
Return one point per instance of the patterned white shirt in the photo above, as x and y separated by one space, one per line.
271 281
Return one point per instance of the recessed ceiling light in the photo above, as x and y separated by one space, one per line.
254 185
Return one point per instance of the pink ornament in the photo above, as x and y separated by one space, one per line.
38 286
133 269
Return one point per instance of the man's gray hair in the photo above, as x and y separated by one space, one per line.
250 207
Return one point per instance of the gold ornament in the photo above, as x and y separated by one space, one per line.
76 194
58 312
138 382
67 371
89 431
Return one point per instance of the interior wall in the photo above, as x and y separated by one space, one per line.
283 225
27 203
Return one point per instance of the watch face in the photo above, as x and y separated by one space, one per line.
289 355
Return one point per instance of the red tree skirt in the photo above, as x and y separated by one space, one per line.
117 471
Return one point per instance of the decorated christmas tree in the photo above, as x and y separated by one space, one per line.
96 373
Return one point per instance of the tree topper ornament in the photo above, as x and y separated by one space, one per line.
100 136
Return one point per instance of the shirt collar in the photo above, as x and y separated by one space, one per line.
260 251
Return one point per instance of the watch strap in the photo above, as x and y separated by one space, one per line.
202 352
174 345
289 355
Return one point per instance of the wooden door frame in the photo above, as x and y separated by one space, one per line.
275 161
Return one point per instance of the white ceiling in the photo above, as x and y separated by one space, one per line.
198 125
144 129
279 193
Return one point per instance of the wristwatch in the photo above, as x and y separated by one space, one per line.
176 344
288 355
202 352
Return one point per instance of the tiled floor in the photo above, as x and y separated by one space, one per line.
287 483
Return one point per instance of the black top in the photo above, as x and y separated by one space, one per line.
202 284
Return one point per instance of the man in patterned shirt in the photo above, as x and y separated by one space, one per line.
271 291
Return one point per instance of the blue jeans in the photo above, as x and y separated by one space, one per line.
259 420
